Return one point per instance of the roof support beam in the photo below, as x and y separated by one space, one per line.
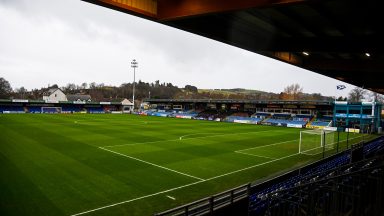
143 8
358 45
177 9
366 67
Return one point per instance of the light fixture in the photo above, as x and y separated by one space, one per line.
134 65
367 54
306 53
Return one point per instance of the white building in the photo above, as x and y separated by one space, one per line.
127 105
54 95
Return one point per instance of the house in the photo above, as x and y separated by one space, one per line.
79 98
127 105
54 95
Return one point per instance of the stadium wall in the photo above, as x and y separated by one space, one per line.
35 106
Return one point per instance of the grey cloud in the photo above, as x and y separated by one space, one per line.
62 41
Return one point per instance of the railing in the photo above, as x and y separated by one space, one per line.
209 204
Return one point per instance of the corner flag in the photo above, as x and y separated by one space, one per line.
340 87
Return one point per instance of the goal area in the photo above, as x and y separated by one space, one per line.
51 110
316 141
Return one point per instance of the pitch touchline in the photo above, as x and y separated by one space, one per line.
143 161
183 186
129 144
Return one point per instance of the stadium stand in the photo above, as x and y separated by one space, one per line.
287 120
34 109
71 108
278 119
322 122
242 114
274 119
333 187
188 115
95 110
161 113
245 120
211 115
338 185
262 114
12 109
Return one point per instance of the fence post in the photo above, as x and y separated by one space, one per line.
347 137
324 144
338 140
211 205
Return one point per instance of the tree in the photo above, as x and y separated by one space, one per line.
342 99
377 97
292 92
191 88
5 88
316 96
70 88
356 94
84 85
21 92
92 85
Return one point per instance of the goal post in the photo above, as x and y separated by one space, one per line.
51 109
314 141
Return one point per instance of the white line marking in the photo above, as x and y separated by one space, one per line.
131 144
199 133
143 161
304 152
254 155
172 198
172 140
250 167
183 186
266 145
138 198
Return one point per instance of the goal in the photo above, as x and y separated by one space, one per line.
315 141
51 109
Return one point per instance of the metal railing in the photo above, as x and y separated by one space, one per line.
209 204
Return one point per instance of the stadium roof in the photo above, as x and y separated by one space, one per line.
232 101
341 39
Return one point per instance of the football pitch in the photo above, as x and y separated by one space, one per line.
105 164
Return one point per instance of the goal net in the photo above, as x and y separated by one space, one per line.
315 141
51 110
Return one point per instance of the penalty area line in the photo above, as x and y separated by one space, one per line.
190 138
182 137
183 186
143 161
138 198
239 152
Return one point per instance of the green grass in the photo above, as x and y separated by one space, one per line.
128 165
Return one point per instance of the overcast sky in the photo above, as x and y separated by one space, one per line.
70 41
